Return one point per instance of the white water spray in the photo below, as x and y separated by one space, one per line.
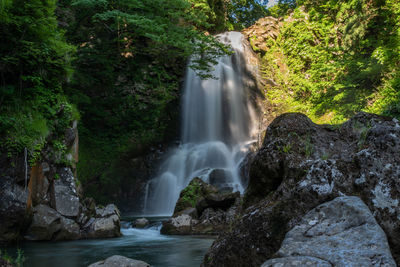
217 128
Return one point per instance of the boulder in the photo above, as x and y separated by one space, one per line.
179 225
195 191
69 230
302 165
46 222
141 223
342 232
201 209
119 261
106 223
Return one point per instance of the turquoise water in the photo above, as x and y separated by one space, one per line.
142 244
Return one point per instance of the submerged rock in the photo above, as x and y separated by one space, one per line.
342 232
201 209
302 165
119 261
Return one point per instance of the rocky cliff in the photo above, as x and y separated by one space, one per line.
302 165
43 200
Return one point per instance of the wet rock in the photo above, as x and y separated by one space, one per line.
66 197
195 191
119 261
342 232
46 222
302 165
141 223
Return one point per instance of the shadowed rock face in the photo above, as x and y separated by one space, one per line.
342 232
302 165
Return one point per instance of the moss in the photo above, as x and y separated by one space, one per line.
195 191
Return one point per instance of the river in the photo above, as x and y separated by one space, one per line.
142 244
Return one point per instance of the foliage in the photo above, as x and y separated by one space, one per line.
34 62
18 261
334 58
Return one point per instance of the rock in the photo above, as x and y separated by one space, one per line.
46 222
107 211
106 223
14 218
220 178
69 230
342 232
302 165
141 223
119 261
296 261
196 190
66 198
221 201
259 33
181 224
201 209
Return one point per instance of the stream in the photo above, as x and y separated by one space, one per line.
141 244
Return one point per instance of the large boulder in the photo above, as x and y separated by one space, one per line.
301 165
46 222
202 209
119 261
342 232
106 223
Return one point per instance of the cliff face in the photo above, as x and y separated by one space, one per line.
302 165
44 201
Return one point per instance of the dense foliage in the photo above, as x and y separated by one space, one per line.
34 63
334 58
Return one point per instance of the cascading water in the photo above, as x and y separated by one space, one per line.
216 132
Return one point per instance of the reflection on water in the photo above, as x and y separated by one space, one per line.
142 244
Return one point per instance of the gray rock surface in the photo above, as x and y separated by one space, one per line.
119 261
69 230
106 223
66 197
342 232
295 261
46 222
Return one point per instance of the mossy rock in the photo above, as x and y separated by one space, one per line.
195 191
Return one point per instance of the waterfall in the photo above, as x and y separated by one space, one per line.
217 130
